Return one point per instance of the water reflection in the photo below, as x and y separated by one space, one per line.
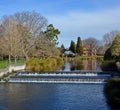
81 65
52 97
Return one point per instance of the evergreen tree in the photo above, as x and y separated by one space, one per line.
52 34
115 48
114 51
107 55
72 47
62 48
79 47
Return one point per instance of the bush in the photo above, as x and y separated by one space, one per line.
108 54
48 64
109 66
112 92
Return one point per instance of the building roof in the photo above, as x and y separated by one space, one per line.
87 47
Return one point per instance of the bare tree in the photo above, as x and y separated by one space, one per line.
44 48
10 38
28 26
109 37
92 42
32 20
34 23
22 34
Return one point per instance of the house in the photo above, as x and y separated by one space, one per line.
89 51
68 53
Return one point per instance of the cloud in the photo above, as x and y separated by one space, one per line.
86 24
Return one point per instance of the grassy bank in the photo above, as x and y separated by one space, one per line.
112 93
49 64
4 63
77 58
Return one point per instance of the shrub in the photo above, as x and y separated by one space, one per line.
47 64
109 66
112 92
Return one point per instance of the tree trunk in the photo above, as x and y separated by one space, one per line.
15 60
25 54
9 59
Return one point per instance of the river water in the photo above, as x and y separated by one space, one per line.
31 96
52 97
82 65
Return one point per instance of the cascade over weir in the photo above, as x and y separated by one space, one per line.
61 77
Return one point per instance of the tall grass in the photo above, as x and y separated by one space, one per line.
49 64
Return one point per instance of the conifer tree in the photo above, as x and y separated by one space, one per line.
79 47
72 46
62 48
114 51
115 48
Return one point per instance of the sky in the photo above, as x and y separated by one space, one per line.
83 18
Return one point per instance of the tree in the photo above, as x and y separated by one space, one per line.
108 55
109 37
15 38
52 34
115 47
62 48
72 47
79 47
92 42
113 52
10 38
43 48
30 25
34 21
22 34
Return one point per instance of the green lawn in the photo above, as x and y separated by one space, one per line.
4 63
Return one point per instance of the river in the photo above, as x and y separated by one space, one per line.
29 96
82 65
52 97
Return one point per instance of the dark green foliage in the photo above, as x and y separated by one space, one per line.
108 55
112 93
109 66
62 48
114 51
0 79
52 34
72 47
79 47
115 48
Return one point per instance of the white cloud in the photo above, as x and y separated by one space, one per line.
86 24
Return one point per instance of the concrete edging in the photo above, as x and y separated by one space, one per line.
11 68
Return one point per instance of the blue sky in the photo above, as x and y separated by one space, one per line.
84 18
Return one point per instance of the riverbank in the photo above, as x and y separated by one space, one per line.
111 65
11 68
48 64
112 93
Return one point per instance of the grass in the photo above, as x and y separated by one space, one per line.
4 63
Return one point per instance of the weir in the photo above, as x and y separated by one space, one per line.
61 77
